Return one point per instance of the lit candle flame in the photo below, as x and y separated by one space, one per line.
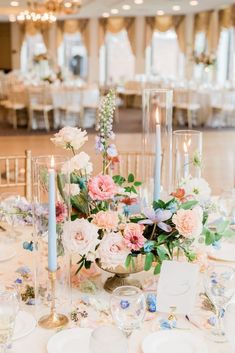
157 116
52 161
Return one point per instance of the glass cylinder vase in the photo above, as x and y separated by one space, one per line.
51 209
157 144
187 151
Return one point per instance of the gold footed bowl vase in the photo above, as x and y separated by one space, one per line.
122 274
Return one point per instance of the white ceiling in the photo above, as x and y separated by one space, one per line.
95 8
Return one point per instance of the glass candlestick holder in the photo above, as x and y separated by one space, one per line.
187 151
51 209
157 144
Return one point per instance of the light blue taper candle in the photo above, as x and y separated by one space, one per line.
158 159
52 237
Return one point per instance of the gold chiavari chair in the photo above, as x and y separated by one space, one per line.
16 174
131 162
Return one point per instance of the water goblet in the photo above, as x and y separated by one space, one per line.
106 339
7 203
219 284
128 307
229 327
9 307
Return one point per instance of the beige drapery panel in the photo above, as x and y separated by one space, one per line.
115 25
30 28
163 24
73 26
227 17
213 33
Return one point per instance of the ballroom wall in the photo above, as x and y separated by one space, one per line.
94 45
6 46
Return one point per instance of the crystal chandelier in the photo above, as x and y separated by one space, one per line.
46 11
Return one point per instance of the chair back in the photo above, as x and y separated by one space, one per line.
16 174
90 98
74 98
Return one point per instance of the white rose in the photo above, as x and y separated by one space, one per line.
70 137
72 189
112 250
80 162
80 236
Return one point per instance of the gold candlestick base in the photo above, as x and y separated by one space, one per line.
53 320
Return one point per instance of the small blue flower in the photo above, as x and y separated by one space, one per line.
167 324
126 211
31 302
212 320
148 246
28 245
217 245
151 302
222 312
124 304
18 281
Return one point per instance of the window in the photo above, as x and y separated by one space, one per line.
72 55
200 47
158 60
225 56
32 45
117 62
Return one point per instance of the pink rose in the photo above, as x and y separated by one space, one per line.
107 220
112 250
61 212
102 187
188 222
133 236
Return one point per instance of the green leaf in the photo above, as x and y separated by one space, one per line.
131 178
188 205
161 238
128 260
162 253
137 183
158 204
87 264
157 269
118 179
80 202
148 261
222 226
209 237
133 189
218 236
79 267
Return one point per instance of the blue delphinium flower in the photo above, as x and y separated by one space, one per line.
23 270
124 304
148 246
167 324
28 245
151 302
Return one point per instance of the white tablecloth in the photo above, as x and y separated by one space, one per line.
36 342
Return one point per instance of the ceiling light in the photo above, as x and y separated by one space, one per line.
138 2
105 14
114 11
193 2
176 8
12 18
67 4
160 12
14 3
126 7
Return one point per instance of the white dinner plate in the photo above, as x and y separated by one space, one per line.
7 252
225 253
72 340
24 325
173 341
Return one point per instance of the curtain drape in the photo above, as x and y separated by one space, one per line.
115 25
73 26
213 33
163 24
227 17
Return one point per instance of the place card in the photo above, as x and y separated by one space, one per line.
177 287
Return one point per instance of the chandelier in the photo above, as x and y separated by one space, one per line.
46 11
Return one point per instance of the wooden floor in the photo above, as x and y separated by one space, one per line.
218 152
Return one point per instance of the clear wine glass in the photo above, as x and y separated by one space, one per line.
219 284
229 326
107 339
9 306
128 307
226 204
7 202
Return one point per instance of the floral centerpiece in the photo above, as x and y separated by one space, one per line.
204 59
102 227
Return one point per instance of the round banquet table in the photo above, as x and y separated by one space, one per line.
36 341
